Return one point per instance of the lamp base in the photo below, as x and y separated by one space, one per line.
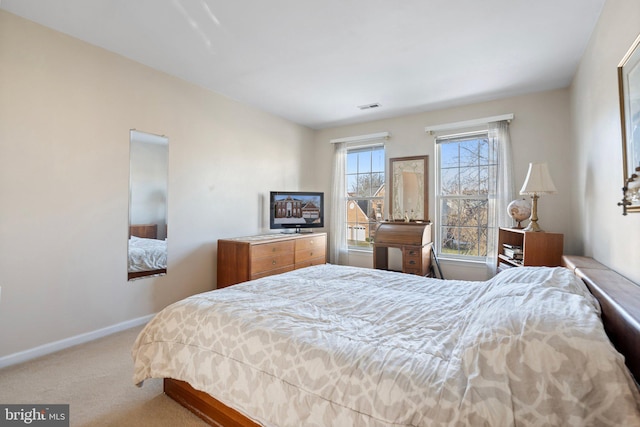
533 226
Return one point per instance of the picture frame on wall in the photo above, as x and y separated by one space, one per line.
629 90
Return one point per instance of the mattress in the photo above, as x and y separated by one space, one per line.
334 345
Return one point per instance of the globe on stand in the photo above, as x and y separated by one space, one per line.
519 210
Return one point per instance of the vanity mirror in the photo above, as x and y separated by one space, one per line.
409 189
148 169
629 88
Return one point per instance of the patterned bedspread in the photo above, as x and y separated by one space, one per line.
344 346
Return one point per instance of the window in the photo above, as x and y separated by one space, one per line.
365 177
465 173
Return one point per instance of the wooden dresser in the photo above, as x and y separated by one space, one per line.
414 241
248 258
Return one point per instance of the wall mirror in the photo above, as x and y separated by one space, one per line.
148 183
409 189
629 88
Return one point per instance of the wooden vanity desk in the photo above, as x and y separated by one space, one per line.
248 258
414 241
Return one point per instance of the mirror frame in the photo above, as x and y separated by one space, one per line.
629 91
399 165
153 230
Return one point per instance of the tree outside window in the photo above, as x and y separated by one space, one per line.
466 168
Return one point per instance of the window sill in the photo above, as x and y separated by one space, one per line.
360 251
450 260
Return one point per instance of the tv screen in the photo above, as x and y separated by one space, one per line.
296 210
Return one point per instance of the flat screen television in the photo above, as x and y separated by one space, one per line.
296 211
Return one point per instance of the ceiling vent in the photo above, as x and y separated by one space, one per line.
369 106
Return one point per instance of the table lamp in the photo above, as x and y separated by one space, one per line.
538 182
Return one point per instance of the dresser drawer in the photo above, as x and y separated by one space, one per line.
310 262
271 249
307 254
415 253
272 272
413 270
412 260
412 263
311 248
315 242
271 263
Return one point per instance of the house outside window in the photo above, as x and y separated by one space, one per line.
466 168
365 178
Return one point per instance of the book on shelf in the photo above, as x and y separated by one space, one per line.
515 258
504 266
513 253
510 246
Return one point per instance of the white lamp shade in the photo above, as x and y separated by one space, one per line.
538 180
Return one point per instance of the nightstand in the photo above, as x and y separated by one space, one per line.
538 248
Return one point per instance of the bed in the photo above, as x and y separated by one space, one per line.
333 345
147 255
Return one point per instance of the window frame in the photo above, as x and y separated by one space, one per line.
492 167
355 199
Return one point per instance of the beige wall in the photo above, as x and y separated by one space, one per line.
540 132
66 109
600 229
65 113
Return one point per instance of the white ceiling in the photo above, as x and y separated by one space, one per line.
313 62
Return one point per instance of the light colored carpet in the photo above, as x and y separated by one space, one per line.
95 379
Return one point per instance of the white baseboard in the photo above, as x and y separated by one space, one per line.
42 350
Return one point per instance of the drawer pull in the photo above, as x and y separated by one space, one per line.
273 249
310 253
273 262
412 262
412 252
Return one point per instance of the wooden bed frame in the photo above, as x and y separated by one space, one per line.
206 407
620 303
145 231
619 299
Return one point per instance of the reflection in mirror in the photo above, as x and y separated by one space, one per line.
409 190
148 167
629 88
